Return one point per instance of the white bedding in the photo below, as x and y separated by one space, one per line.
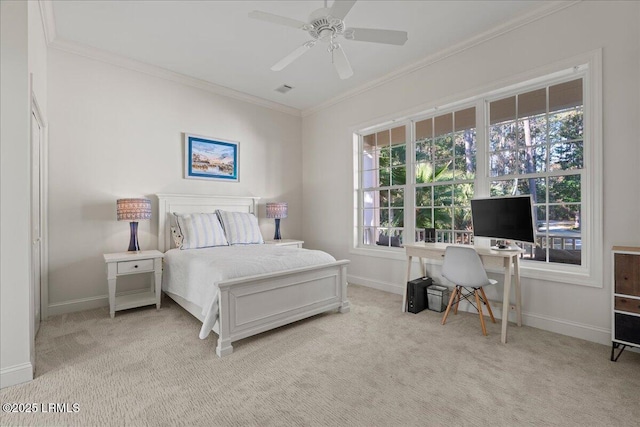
193 274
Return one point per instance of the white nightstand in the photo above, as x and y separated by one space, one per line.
285 242
124 263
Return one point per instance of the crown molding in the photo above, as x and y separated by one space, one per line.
53 41
48 20
548 8
132 64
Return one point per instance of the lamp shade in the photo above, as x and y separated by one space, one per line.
134 209
277 210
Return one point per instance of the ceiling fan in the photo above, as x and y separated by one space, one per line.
326 25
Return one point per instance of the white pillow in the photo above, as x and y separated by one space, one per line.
241 228
200 230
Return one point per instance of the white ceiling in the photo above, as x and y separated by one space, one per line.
217 42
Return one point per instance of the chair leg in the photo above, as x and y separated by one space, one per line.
484 328
458 294
486 301
446 313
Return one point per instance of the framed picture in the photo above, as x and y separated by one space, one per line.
210 158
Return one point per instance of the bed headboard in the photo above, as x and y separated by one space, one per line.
191 203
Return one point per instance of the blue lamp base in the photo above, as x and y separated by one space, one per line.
277 235
133 242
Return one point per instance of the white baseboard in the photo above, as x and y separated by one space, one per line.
17 374
375 284
547 323
78 305
567 327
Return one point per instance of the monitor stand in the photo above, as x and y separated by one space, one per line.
504 245
505 248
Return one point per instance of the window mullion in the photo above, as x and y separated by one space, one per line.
410 187
481 184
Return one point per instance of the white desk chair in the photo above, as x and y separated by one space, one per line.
463 267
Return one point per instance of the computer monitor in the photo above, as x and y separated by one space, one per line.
504 218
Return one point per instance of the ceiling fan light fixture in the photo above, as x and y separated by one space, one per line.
325 24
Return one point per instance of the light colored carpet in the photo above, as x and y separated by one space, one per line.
374 366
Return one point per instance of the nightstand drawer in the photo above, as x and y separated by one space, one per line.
125 267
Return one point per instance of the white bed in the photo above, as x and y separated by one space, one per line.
281 291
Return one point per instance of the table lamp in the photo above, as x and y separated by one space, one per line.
277 210
134 210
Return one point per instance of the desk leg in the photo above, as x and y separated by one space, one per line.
404 292
422 268
505 299
516 278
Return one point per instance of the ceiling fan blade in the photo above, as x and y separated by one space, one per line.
376 36
276 19
340 8
341 63
293 55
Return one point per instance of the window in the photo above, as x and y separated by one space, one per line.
445 168
384 175
536 147
540 137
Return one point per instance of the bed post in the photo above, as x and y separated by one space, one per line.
345 307
224 347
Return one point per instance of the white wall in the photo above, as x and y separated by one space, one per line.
612 26
15 343
24 54
117 133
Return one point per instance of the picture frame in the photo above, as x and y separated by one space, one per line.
211 158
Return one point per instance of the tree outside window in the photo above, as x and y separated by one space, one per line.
536 147
445 166
384 175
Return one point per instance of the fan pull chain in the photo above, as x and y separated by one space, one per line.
332 47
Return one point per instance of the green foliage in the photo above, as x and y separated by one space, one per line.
565 151
444 196
539 155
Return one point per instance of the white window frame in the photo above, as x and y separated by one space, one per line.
587 66
412 184
358 151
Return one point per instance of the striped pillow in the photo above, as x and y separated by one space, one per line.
200 230
240 228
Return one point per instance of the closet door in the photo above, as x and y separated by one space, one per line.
36 219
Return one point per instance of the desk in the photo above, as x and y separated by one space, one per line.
509 260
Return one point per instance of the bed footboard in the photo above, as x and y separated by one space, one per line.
251 305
